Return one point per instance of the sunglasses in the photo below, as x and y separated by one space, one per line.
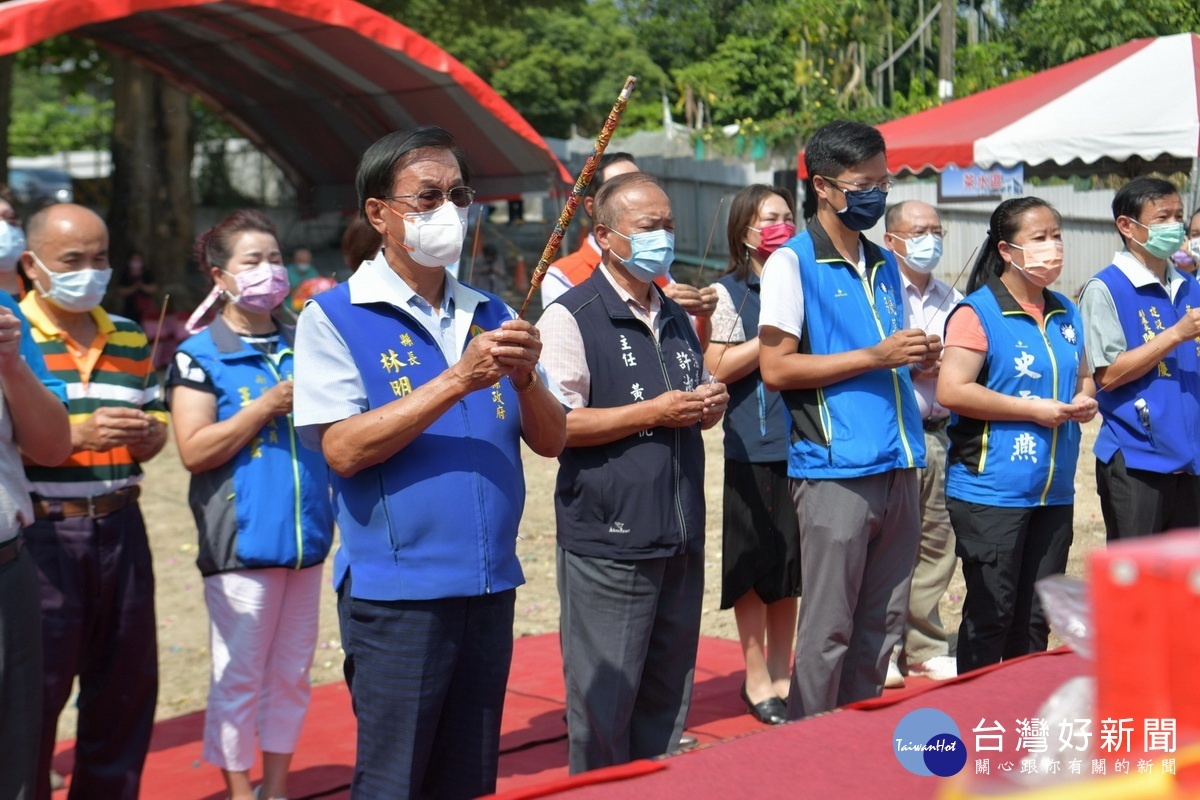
428 200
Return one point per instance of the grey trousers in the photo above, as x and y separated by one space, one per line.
629 635
924 635
858 543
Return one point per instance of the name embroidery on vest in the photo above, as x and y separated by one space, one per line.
392 362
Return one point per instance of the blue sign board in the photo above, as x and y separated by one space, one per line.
977 183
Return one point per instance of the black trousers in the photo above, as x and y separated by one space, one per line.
97 589
20 677
1136 502
1004 552
427 681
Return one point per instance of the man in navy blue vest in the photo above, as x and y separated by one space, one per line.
419 389
1141 320
629 501
834 344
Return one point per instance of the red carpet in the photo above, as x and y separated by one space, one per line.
846 754
533 735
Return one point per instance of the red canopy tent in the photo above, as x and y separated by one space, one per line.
1132 108
312 83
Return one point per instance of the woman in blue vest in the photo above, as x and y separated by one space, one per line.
261 503
1014 377
760 559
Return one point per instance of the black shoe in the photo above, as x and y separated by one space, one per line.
771 711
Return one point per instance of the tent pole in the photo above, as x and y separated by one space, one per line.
1194 188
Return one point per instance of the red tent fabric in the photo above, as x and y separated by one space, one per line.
1140 100
311 82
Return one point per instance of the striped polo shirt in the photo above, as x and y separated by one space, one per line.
111 370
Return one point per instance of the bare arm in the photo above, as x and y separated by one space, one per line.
374 436
784 367
1133 364
588 427
41 426
958 391
736 360
204 443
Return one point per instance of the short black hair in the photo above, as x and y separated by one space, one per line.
1133 196
835 148
606 161
379 166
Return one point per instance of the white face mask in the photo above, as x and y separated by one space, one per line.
78 291
12 244
1193 247
435 238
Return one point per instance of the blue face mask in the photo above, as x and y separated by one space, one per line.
863 209
12 244
651 254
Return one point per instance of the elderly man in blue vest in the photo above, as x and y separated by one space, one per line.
834 344
419 390
629 501
1141 320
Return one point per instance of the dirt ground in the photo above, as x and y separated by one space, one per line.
183 620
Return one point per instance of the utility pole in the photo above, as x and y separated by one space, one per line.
946 55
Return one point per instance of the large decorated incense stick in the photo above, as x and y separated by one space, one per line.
581 184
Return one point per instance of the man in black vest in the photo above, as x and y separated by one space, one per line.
629 501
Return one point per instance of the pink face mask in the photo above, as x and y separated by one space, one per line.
1043 261
262 288
773 237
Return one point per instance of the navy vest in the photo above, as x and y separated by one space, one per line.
439 518
1171 388
1019 463
868 424
641 496
756 425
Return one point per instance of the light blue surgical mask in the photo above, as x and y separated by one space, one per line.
651 254
923 252
12 244
78 291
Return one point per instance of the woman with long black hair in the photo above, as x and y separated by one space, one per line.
1015 378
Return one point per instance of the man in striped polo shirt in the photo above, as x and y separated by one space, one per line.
89 539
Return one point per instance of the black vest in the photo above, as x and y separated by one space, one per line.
756 424
641 496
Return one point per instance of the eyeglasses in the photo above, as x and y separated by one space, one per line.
883 185
428 200
943 231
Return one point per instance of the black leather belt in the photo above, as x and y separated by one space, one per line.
10 550
57 508
933 425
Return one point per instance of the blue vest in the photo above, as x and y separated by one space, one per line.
641 496
870 423
756 424
1171 389
1019 463
269 505
439 518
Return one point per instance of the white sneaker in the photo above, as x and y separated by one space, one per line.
894 679
938 668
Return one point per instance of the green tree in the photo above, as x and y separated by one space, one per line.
1052 32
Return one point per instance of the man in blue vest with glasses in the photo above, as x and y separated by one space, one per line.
419 389
834 344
